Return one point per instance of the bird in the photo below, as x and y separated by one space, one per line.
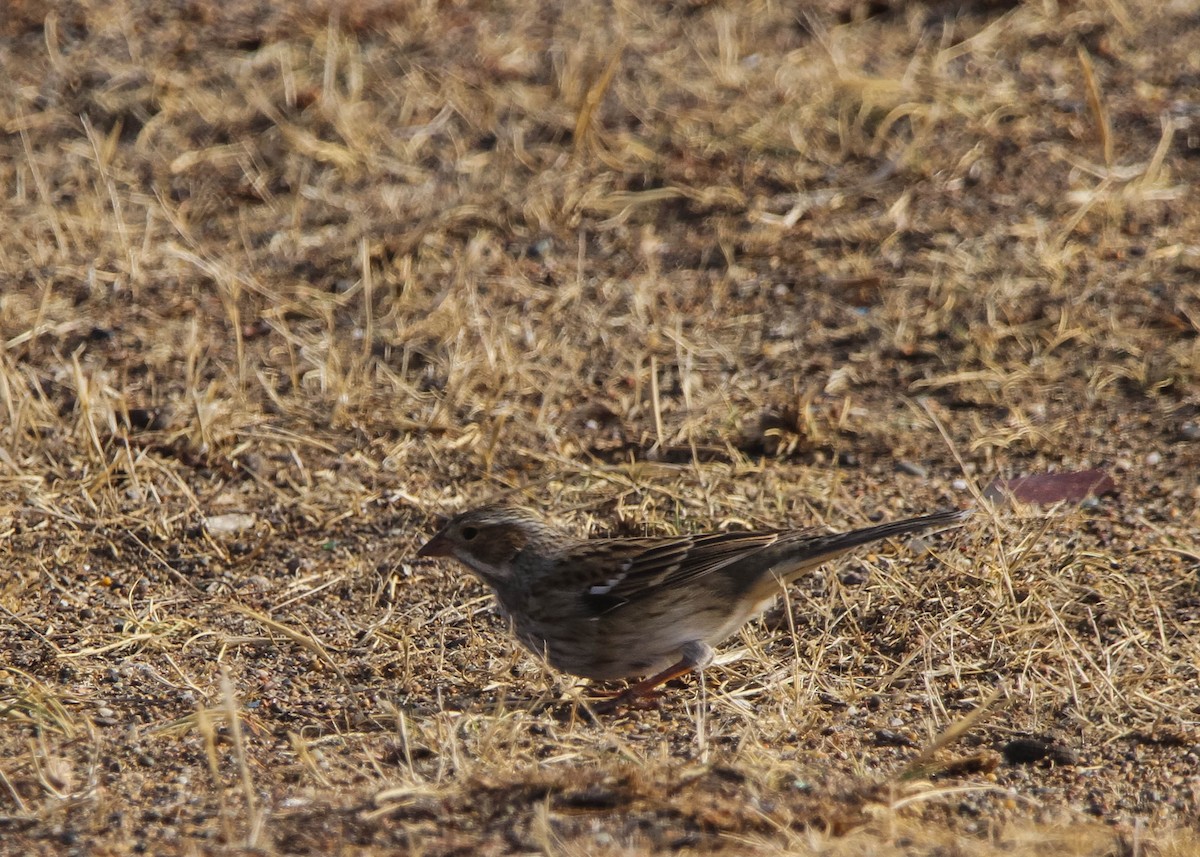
647 608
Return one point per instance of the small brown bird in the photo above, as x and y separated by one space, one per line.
630 607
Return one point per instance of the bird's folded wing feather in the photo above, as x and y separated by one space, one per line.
636 568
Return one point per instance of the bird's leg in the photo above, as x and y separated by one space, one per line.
694 655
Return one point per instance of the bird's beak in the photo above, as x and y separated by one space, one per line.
439 545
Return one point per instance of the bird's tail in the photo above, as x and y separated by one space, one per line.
819 549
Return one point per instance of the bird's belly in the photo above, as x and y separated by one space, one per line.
601 650
640 640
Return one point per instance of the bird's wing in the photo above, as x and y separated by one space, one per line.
614 572
631 569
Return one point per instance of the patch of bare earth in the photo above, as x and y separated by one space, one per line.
279 283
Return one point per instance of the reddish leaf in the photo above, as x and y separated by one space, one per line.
1043 489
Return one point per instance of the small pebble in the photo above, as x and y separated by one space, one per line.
959 485
912 469
919 545
1153 459
1190 431
892 738
229 523
1030 749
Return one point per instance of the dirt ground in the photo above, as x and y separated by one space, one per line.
282 283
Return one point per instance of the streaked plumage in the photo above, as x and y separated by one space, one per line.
629 607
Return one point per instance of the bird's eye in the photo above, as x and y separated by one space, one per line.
469 533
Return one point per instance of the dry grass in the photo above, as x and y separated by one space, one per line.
277 287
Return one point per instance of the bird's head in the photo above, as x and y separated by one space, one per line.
488 540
